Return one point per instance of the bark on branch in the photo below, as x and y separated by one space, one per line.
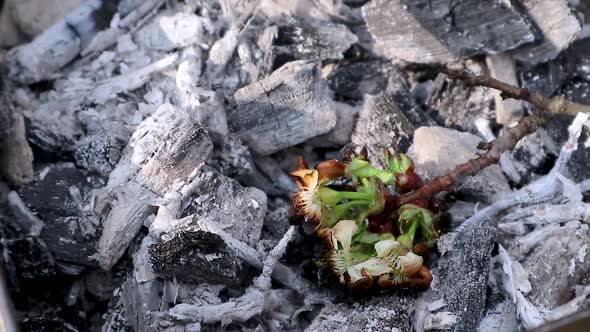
545 109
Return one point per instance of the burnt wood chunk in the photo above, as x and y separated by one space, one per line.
388 119
310 39
462 277
559 27
57 198
195 257
237 210
442 30
284 109
165 149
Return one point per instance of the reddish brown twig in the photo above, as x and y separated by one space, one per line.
546 109
556 105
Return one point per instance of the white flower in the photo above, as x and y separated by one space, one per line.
410 263
385 262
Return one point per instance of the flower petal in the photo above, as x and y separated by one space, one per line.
331 169
386 247
343 231
374 266
306 178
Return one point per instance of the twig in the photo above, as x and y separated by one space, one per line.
555 105
263 281
546 109
504 142
257 299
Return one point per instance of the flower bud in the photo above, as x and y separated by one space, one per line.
406 182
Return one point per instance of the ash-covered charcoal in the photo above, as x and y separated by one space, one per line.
459 106
195 257
276 221
165 149
500 315
141 295
378 313
503 67
234 159
356 79
345 124
42 58
426 31
461 276
58 199
564 265
206 105
282 183
101 150
388 119
558 26
54 129
238 210
141 302
171 31
284 109
529 157
309 39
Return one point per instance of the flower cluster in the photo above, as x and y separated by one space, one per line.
373 240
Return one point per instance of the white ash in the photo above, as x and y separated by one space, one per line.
539 297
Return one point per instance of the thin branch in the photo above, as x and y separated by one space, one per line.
541 190
504 142
556 105
546 109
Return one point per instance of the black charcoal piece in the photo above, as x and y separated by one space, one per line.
459 106
354 80
233 159
57 198
195 257
102 151
310 39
